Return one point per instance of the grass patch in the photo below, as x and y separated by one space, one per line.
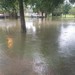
68 16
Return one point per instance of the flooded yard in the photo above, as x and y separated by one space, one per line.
48 47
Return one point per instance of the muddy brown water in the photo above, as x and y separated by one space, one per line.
48 47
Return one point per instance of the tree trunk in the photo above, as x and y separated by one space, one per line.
23 25
65 15
42 14
45 15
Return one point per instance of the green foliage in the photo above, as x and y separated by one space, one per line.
10 5
7 5
45 6
57 11
66 8
72 11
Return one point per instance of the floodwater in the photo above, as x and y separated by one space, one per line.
48 47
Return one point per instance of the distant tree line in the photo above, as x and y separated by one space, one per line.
43 6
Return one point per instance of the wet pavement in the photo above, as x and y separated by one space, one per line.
48 48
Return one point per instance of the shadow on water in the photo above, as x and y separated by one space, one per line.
15 43
47 48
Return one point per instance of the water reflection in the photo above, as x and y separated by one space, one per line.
47 48
10 42
30 27
66 39
67 49
39 64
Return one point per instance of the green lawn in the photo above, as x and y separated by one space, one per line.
68 16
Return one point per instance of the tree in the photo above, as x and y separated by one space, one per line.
11 7
45 6
57 11
72 11
23 25
66 8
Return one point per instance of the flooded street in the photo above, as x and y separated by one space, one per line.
48 48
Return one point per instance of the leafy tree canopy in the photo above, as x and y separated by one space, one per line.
66 8
45 5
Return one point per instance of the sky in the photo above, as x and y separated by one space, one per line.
69 2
